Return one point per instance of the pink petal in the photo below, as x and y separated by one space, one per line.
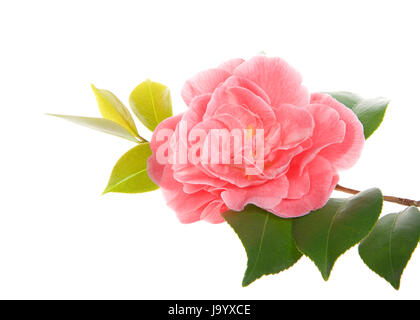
192 188
196 111
184 202
154 168
322 181
345 154
277 78
190 216
299 184
278 161
231 65
202 83
329 129
169 123
188 207
213 212
235 175
265 196
235 81
237 114
243 97
191 174
296 125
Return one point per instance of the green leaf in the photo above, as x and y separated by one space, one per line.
370 112
151 103
325 234
100 124
267 239
389 246
130 173
112 109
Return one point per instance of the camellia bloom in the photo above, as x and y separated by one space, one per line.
306 138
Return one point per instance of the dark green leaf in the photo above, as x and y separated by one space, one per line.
130 173
325 234
151 103
389 246
370 112
267 239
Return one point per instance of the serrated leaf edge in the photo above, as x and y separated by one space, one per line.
409 258
327 278
266 274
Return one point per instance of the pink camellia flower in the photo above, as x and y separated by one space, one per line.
306 140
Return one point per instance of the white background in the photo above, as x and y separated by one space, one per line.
59 238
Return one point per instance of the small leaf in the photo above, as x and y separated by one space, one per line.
370 112
267 239
100 124
389 246
130 173
151 103
325 234
112 109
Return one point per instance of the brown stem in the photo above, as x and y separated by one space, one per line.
402 201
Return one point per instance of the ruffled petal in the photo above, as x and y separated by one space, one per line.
188 207
235 81
296 125
213 212
231 65
265 196
154 168
299 184
345 154
196 111
277 78
243 97
170 124
202 83
322 181
329 129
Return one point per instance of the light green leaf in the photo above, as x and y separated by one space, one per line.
130 173
389 246
370 112
325 234
100 124
267 239
151 103
112 109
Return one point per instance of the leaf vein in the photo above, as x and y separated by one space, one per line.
125 179
390 249
260 246
149 88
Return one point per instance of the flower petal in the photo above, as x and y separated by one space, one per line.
188 207
277 78
202 83
296 125
299 184
329 129
213 212
154 168
231 65
235 81
322 181
265 196
243 97
345 154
